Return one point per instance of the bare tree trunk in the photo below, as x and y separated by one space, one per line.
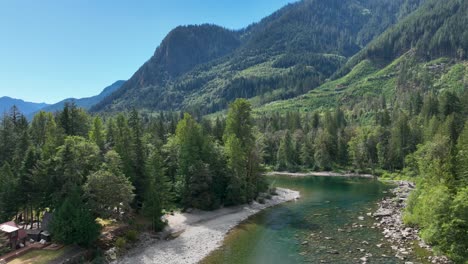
32 217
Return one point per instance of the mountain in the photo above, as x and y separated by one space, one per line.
435 30
424 53
203 68
25 107
87 102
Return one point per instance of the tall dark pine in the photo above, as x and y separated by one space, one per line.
137 156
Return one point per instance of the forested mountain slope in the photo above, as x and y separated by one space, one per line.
399 109
202 68
426 52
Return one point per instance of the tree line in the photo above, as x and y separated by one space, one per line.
78 165
422 136
82 167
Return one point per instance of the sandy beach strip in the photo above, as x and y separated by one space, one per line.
204 233
321 173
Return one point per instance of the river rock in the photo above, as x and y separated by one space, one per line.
390 220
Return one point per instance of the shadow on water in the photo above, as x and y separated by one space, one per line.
328 224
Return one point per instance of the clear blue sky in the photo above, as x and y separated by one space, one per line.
54 49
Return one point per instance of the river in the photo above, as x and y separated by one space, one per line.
329 224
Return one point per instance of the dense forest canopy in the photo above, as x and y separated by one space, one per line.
437 29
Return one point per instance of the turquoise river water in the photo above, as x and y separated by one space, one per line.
324 226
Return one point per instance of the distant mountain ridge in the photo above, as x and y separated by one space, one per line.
25 107
86 102
202 68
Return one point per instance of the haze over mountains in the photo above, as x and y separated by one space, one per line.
26 107
86 102
30 108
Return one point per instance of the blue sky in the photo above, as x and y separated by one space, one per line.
54 49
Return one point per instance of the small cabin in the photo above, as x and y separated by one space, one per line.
15 236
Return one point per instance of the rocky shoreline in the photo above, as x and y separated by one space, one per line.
390 220
194 235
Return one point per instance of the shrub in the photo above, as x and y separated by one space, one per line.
121 243
131 235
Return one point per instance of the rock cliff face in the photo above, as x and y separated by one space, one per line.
389 216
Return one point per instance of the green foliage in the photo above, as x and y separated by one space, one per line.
73 120
131 235
109 193
243 154
457 240
74 161
286 154
8 193
97 133
284 55
436 29
73 223
121 243
158 194
462 157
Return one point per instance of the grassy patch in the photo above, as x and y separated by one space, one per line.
39 256
104 222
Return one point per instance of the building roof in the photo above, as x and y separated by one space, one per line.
9 227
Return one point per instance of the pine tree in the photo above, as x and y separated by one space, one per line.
285 156
244 159
236 182
137 156
461 164
194 172
8 194
96 134
73 222
158 196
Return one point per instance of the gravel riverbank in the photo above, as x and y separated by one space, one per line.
389 219
198 233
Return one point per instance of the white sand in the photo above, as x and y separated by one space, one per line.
204 232
320 173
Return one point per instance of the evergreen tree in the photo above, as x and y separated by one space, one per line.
137 156
285 156
461 164
108 191
96 134
194 171
307 152
236 181
243 160
158 194
322 145
73 222
8 194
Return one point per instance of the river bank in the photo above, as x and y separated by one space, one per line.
198 233
389 218
320 174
